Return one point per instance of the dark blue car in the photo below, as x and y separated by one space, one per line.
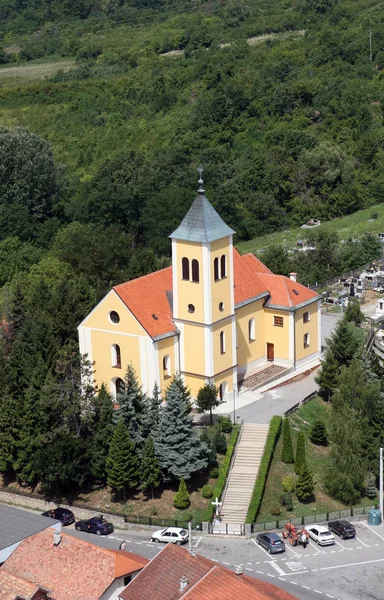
64 515
97 525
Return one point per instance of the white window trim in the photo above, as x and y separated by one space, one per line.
251 329
306 340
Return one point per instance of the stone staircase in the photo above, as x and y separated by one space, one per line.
242 477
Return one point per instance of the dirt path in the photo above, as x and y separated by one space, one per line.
31 72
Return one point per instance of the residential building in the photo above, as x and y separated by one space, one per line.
17 588
213 316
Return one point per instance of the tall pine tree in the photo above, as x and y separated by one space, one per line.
177 446
132 401
287 450
150 474
122 461
300 460
103 429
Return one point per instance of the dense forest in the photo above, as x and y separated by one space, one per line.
280 101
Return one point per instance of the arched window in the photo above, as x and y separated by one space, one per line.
216 269
185 268
119 386
251 330
223 390
167 366
116 356
222 342
223 266
195 270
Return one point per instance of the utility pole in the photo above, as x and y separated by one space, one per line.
381 482
370 45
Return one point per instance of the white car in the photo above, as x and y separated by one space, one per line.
175 535
320 534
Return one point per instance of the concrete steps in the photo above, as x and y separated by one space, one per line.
242 477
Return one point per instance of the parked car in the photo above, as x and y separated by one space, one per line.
320 534
64 515
271 542
342 528
97 525
175 535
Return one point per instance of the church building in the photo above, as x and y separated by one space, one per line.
213 316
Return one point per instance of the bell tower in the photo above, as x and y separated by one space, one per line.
203 297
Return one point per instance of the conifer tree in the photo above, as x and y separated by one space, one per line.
103 429
7 431
300 460
177 445
181 498
328 375
353 312
343 343
150 474
151 414
219 441
304 485
318 433
132 402
287 450
122 462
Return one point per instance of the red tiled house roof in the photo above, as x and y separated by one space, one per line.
160 580
73 570
12 586
149 297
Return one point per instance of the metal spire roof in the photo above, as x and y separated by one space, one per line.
201 223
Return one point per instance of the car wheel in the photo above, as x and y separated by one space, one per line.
178 543
258 541
269 551
98 532
78 528
317 541
155 540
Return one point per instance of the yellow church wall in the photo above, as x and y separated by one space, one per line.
311 327
190 292
193 348
221 289
99 317
226 377
279 336
166 347
194 383
222 362
102 356
249 351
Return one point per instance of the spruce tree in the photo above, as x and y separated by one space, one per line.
151 413
328 375
300 460
150 474
177 445
103 429
122 462
370 488
181 498
287 450
219 442
353 312
343 343
318 433
131 401
304 485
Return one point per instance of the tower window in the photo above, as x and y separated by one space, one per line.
119 386
114 317
185 268
223 266
306 340
221 306
191 308
251 330
116 356
167 366
222 342
278 321
216 269
195 270
306 317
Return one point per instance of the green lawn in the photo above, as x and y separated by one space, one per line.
302 420
350 226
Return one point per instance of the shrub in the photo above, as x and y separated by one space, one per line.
219 442
318 433
287 451
374 215
220 483
225 424
214 472
207 491
181 498
288 484
258 490
300 461
371 489
188 516
287 501
275 510
304 485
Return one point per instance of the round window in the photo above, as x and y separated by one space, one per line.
221 306
114 317
191 308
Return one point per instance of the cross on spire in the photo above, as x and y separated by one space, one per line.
201 190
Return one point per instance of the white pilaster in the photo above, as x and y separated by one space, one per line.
207 282
175 268
208 352
143 364
291 333
231 275
180 327
319 326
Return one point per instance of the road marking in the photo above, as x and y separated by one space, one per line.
119 539
317 591
359 547
366 562
333 551
249 563
198 541
269 575
306 587
329 596
361 542
261 572
261 547
314 570
248 569
292 550
129 541
373 531
338 543
226 563
139 543
293 582
149 545
277 568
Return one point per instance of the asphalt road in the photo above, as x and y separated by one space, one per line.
348 570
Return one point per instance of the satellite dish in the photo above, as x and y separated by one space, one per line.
122 546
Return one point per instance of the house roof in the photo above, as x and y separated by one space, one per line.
160 580
17 524
72 570
202 223
149 298
12 586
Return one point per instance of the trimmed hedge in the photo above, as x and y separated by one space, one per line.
220 483
258 490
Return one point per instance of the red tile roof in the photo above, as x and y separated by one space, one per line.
12 586
149 297
160 580
73 570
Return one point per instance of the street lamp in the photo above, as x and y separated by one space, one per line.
381 482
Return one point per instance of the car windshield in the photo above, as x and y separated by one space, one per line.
325 533
183 532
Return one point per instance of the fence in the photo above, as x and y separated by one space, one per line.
356 273
320 518
296 406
